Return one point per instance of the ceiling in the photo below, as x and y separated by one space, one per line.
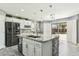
32 10
63 10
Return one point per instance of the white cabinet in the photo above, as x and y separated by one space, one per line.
9 19
12 19
30 50
37 48
37 51
24 22
28 47
27 22
25 47
34 48
16 20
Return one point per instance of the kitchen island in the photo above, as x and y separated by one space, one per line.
39 40
35 45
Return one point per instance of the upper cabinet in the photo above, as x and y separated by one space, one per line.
27 22
9 19
16 20
12 19
23 23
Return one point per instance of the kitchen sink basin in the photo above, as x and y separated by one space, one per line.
33 36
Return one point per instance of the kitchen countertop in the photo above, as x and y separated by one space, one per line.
37 39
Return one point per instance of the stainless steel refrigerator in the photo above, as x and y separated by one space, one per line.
11 31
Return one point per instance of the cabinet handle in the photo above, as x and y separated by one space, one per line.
26 45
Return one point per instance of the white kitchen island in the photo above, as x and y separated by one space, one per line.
36 47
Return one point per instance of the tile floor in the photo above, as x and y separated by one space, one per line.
10 51
66 48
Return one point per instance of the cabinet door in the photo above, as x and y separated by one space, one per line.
30 49
24 47
22 23
37 51
9 19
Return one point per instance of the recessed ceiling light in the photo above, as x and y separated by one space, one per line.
22 9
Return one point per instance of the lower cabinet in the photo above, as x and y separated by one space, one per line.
25 49
35 48
30 50
37 51
28 47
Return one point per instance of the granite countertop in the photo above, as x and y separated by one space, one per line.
40 39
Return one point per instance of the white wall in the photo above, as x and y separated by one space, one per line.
72 30
2 31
